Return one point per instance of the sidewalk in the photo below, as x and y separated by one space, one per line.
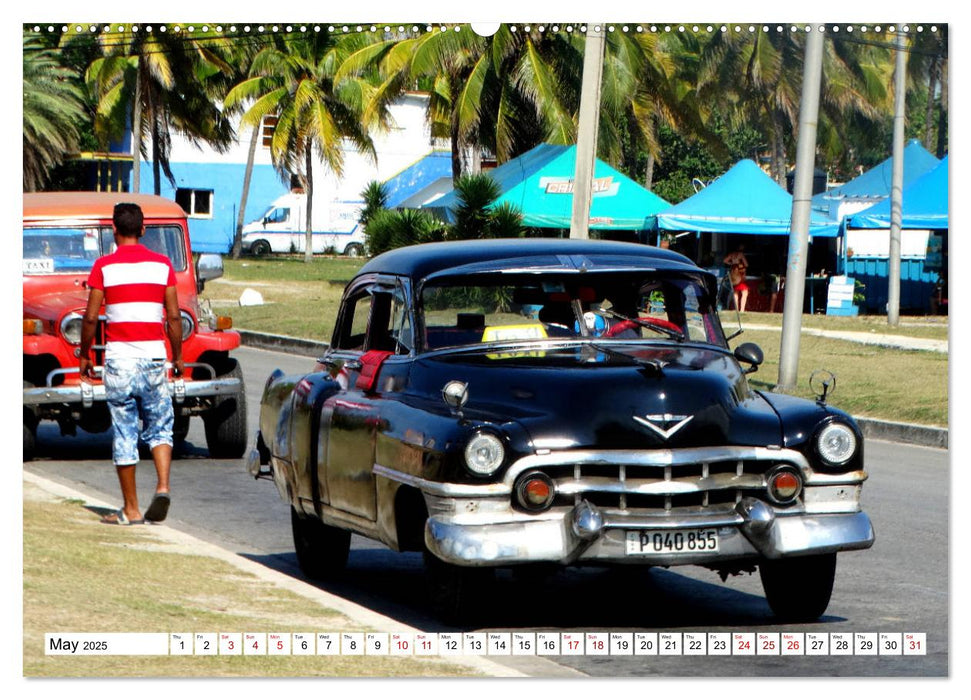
901 342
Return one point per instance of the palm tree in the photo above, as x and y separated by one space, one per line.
757 78
53 108
295 79
162 81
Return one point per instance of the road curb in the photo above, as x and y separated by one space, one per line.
283 343
358 613
923 435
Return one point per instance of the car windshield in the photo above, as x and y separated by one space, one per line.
630 307
73 249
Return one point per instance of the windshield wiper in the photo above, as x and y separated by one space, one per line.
677 335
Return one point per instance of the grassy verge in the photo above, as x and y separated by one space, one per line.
81 576
875 382
899 385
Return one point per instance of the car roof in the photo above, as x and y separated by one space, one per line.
474 256
39 206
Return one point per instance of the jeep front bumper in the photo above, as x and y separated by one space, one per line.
89 393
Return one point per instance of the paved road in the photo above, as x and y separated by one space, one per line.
901 585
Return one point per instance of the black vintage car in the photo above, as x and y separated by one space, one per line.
509 403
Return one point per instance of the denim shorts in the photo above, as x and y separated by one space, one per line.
137 388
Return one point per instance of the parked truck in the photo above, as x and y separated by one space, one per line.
283 228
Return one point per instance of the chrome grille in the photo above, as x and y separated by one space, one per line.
663 482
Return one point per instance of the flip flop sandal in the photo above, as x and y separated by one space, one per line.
159 508
119 518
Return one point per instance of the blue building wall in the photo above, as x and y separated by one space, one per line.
215 234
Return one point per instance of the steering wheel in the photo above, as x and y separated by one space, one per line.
631 325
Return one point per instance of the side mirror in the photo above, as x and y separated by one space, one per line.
750 354
209 267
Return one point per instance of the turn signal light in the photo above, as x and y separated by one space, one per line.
33 326
221 323
784 485
535 492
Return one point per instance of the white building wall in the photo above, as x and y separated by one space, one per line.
407 140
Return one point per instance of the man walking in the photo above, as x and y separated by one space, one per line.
137 288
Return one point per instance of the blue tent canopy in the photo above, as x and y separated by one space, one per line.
874 184
743 200
925 204
539 183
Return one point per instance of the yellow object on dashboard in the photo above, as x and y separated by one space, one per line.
518 331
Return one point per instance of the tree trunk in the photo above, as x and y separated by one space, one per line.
156 159
308 253
929 112
649 175
136 133
778 157
244 196
456 149
942 114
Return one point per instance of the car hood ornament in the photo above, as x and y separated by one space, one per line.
664 424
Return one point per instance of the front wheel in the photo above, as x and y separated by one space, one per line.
455 593
798 589
226 421
321 549
260 248
354 250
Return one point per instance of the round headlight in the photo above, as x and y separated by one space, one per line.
484 454
187 325
71 328
836 444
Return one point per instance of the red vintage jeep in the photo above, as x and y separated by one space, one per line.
64 233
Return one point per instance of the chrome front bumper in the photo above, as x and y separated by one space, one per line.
585 534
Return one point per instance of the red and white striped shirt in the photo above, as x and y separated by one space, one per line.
133 280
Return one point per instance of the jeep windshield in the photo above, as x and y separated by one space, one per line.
51 250
615 306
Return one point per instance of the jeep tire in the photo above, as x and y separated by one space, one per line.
321 549
30 429
226 421
798 589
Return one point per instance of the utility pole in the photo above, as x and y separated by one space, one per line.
801 199
593 59
897 182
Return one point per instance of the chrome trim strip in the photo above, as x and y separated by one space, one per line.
437 488
659 488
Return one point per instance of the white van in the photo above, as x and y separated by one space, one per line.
283 228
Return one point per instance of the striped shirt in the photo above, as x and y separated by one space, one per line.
133 280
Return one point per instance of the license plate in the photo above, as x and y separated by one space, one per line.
671 541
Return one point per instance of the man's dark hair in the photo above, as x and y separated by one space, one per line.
128 219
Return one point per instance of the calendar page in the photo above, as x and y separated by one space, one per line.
234 115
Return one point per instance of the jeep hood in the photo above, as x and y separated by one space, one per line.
51 305
608 395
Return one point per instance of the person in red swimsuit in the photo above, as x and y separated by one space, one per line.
737 266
